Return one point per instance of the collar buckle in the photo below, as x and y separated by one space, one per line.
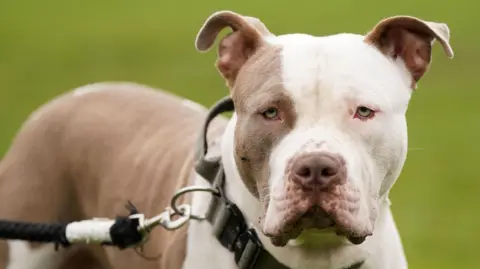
247 250
231 230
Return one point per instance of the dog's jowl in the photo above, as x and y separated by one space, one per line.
317 140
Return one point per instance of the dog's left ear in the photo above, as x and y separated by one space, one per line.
248 34
410 39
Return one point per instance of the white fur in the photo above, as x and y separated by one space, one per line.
327 76
21 256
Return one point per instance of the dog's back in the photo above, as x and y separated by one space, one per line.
88 152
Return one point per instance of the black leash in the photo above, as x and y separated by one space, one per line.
123 232
34 232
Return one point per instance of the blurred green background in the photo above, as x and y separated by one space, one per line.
49 47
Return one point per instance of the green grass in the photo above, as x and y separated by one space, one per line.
48 47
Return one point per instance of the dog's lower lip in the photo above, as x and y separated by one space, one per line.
356 240
291 229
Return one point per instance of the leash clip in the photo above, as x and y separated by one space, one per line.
177 209
165 219
168 223
183 213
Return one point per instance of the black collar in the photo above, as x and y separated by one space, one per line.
229 225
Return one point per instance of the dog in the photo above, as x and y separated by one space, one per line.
316 142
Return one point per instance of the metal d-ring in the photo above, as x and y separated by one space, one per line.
183 191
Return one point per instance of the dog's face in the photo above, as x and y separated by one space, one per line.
320 130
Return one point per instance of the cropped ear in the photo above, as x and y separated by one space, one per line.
247 35
410 39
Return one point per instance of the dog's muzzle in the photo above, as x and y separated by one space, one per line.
316 196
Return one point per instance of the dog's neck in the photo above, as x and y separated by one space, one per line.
235 190
297 255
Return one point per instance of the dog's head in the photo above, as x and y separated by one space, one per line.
319 126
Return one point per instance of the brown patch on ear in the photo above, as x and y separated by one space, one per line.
237 47
411 39
233 51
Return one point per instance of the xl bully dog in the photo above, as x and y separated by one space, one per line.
317 139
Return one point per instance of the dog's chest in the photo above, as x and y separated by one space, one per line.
203 249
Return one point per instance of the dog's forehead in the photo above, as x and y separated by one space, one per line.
342 66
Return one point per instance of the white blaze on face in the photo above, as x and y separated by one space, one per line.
328 78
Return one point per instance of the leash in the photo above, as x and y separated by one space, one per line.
122 232
229 225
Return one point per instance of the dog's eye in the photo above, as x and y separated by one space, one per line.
270 114
364 113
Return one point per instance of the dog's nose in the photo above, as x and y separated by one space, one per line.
318 170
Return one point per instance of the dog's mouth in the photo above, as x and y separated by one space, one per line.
314 219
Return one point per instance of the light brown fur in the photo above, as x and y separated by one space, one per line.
251 68
85 156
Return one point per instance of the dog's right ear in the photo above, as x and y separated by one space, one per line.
247 35
410 39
